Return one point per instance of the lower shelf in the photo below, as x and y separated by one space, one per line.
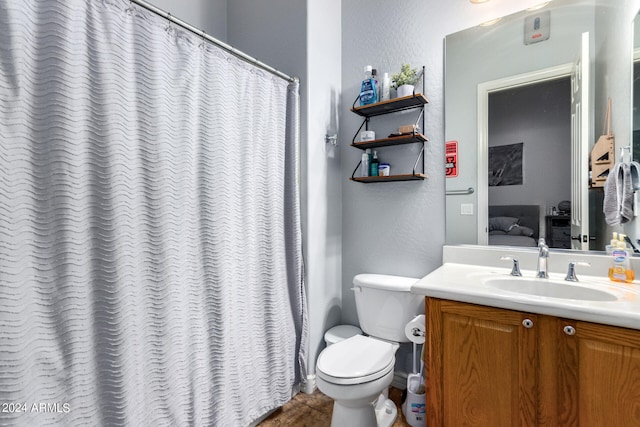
406 177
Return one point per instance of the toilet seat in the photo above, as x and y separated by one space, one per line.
356 360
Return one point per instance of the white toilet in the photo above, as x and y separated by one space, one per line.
356 372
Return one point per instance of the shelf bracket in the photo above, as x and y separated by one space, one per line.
365 123
416 125
420 155
356 100
353 175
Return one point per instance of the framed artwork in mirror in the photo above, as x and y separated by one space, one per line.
505 164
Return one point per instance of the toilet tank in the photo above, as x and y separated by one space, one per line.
385 305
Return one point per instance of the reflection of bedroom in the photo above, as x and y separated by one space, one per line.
534 120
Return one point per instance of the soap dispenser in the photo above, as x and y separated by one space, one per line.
620 270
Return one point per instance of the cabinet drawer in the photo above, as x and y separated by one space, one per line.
559 233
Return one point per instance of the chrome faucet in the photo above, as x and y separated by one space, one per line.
571 271
515 270
543 255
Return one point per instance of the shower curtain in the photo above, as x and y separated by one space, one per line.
150 244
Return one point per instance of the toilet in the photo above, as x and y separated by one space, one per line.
356 372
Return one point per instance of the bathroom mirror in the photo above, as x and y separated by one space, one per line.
483 58
636 89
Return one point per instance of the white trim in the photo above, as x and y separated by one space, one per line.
309 386
484 89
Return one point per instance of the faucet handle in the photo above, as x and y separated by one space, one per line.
515 271
571 272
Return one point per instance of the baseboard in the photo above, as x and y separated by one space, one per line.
309 386
295 389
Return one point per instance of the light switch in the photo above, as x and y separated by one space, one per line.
466 208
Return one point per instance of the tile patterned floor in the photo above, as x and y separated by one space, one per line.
314 410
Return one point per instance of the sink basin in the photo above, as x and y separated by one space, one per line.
546 288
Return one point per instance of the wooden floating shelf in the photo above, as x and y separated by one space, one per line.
394 140
392 105
390 178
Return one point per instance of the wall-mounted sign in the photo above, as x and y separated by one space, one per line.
537 27
451 159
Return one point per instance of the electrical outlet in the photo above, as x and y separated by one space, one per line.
466 208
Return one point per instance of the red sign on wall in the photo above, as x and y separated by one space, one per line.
451 159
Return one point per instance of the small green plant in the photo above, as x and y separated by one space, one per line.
406 76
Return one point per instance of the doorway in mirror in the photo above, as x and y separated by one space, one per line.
536 117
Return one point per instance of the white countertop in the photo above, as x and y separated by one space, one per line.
469 282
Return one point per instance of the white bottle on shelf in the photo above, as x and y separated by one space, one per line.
365 165
385 87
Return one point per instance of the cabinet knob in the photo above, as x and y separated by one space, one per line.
569 330
527 323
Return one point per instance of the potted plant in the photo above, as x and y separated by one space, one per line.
405 80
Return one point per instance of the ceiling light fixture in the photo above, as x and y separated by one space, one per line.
478 1
539 6
488 23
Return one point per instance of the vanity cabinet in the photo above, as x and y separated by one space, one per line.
589 374
495 367
480 366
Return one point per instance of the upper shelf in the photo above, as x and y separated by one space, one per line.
394 140
392 105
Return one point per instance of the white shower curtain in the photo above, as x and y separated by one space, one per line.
150 247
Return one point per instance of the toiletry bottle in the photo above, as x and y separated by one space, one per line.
374 76
368 94
385 86
365 164
630 274
620 270
374 164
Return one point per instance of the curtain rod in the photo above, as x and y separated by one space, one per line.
213 40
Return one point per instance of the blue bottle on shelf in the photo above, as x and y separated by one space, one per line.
368 90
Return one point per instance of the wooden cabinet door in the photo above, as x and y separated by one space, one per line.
480 366
598 379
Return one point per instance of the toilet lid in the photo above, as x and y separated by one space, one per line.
355 360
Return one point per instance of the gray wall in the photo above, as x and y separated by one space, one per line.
398 228
207 15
